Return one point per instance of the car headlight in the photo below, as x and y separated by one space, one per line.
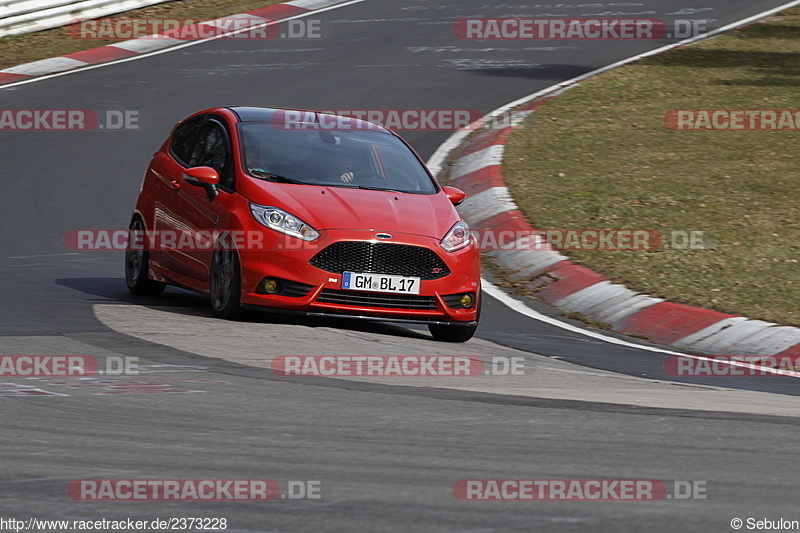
280 220
457 238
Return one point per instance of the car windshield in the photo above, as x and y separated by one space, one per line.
353 158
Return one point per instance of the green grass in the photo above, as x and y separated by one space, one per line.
600 156
18 49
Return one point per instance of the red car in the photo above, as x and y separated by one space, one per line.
304 212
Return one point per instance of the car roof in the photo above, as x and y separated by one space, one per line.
264 114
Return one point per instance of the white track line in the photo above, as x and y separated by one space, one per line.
521 308
437 160
178 47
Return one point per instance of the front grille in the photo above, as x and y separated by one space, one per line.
372 299
381 258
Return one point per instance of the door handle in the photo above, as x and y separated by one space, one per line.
175 184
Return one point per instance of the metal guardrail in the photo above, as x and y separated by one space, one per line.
26 16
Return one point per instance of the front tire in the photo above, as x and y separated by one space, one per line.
137 265
456 333
452 333
225 282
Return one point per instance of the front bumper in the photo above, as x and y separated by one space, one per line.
321 292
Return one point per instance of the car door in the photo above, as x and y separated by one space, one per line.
188 217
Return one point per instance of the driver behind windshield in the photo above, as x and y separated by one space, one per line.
252 157
341 165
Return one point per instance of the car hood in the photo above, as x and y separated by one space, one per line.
327 208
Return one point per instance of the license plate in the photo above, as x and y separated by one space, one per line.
355 281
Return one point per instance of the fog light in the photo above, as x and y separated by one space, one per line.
467 300
271 286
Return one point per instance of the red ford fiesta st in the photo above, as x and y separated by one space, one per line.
304 212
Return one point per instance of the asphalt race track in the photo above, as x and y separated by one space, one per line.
386 452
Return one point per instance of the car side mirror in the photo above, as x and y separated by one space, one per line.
456 196
205 177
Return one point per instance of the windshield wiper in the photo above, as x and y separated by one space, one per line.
260 173
367 187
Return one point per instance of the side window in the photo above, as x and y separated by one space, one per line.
183 139
212 151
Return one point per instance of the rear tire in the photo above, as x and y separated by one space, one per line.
137 265
225 282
